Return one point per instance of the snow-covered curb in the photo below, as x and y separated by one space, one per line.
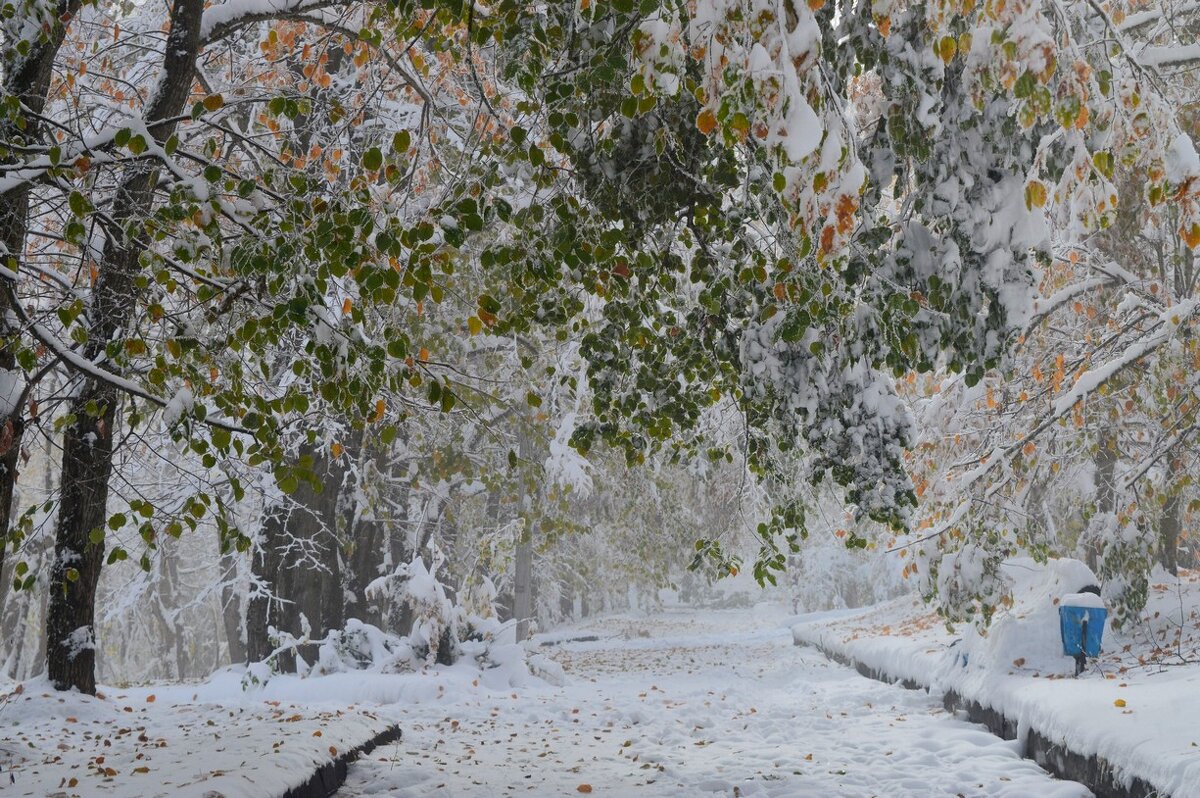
1128 731
1100 776
326 780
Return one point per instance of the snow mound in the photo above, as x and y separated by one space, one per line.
1028 636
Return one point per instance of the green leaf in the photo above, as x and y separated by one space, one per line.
372 159
79 204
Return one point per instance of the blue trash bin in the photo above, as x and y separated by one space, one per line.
1081 622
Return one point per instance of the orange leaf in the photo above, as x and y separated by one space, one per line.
346 306
1191 237
150 699
584 788
706 121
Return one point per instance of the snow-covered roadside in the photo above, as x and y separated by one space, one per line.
696 702
218 737
1136 709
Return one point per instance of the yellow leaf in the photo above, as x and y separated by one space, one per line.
947 48
1120 702
213 102
336 450
474 325
1035 194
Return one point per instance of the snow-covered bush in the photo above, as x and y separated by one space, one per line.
436 620
361 646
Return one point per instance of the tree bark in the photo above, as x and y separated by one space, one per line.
263 604
301 563
88 441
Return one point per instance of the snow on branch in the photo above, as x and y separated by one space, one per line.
222 19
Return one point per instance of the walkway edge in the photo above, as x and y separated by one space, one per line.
1094 772
329 777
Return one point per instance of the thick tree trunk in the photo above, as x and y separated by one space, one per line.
301 564
365 553
262 606
86 467
88 442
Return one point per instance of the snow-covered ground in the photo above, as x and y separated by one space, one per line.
168 741
1136 707
692 702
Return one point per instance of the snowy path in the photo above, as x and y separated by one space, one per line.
695 703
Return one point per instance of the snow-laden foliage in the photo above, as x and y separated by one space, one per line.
363 270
